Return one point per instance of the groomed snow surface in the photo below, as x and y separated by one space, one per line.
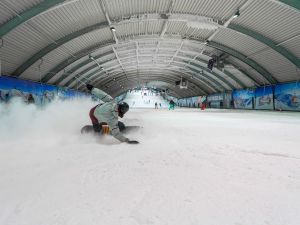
192 167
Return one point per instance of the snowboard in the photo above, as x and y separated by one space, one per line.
88 129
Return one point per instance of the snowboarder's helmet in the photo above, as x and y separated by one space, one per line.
123 108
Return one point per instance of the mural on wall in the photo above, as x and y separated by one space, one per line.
227 103
182 102
32 92
192 102
287 96
264 98
215 100
243 99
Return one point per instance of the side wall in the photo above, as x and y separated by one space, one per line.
33 92
279 97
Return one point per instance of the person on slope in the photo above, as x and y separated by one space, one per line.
171 105
107 113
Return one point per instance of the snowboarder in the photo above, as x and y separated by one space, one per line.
107 114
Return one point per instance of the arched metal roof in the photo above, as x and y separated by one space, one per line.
136 42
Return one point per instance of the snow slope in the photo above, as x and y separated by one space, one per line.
137 99
192 167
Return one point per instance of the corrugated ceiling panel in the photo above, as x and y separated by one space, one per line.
239 75
76 75
273 20
134 29
216 9
242 43
219 72
181 28
68 68
282 69
126 53
200 34
167 52
49 61
10 8
102 61
70 18
170 44
62 53
55 77
101 51
147 51
20 44
187 56
125 46
90 39
191 69
195 48
247 69
175 27
6 67
123 8
293 46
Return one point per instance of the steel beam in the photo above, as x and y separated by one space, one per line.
27 15
200 84
53 46
271 44
48 76
195 72
63 40
210 83
292 3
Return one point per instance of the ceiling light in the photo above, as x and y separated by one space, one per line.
237 14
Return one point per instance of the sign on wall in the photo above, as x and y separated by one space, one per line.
264 98
243 99
41 93
287 96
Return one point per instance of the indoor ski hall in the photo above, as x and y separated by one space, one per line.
149 112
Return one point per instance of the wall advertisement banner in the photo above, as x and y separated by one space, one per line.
227 103
189 102
243 99
215 100
215 97
192 102
287 96
264 98
39 93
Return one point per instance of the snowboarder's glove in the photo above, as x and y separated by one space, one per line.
89 87
132 142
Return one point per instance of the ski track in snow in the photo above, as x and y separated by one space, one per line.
192 167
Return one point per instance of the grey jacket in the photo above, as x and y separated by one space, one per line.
108 113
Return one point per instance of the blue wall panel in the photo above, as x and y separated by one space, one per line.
287 97
264 98
42 93
243 99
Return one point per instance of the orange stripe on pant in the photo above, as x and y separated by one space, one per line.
105 129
